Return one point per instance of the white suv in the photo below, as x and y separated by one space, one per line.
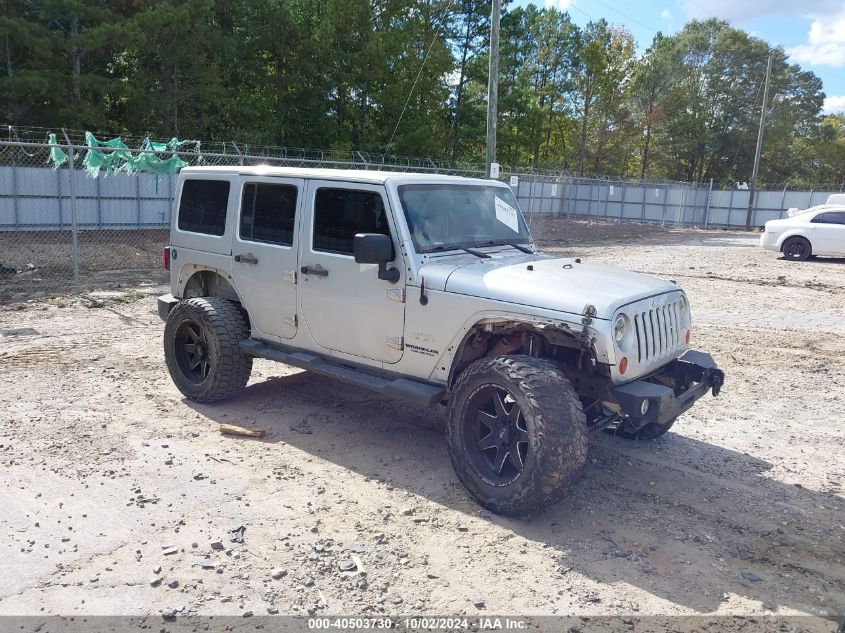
427 288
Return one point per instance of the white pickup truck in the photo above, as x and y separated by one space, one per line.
427 288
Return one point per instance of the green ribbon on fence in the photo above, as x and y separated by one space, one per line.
152 164
57 154
113 156
172 145
97 160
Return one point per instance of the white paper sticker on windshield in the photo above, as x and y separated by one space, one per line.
507 215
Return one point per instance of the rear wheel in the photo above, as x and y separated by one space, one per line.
201 346
797 248
517 433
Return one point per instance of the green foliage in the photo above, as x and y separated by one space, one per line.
410 77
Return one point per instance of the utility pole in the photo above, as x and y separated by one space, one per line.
493 83
753 191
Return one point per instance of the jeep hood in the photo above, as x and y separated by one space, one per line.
558 284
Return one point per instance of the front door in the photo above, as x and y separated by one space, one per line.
263 256
344 305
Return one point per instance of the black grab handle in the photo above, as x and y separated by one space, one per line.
320 272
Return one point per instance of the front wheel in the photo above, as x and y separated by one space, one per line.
517 433
202 348
797 248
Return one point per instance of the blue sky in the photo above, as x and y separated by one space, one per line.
811 31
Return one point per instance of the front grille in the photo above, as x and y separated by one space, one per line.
658 330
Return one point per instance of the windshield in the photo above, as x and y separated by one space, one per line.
441 217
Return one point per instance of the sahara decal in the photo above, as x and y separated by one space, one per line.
422 350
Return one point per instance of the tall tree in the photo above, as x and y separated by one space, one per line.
409 77
603 69
469 33
712 110
654 77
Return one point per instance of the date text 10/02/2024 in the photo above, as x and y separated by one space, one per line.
419 624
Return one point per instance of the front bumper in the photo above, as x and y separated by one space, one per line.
165 305
693 374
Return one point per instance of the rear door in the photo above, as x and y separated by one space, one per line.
264 258
829 233
344 305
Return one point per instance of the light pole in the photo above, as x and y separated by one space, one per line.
763 113
493 84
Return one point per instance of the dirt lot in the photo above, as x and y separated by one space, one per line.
740 510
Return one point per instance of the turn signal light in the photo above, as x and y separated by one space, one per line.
688 336
166 255
623 364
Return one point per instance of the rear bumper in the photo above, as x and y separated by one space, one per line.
769 241
165 305
694 372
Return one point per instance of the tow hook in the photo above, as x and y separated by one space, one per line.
716 382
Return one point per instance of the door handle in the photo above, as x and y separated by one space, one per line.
246 259
314 270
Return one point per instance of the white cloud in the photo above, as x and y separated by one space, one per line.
560 5
825 42
746 9
834 105
666 14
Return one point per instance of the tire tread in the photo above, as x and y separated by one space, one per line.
559 424
229 327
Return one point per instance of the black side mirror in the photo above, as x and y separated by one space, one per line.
375 248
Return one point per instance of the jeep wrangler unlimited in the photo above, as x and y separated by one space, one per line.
427 288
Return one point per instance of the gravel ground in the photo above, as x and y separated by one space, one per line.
117 496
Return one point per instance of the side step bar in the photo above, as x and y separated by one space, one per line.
416 391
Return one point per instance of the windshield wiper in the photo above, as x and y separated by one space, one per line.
519 247
457 247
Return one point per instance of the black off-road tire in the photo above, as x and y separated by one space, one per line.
224 368
650 431
555 433
797 249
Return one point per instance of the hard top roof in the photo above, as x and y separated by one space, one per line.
356 175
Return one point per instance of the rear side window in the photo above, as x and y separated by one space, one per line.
202 208
268 212
341 213
830 217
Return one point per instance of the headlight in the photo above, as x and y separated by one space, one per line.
620 326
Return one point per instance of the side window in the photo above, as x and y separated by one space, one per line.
268 212
341 213
202 207
830 217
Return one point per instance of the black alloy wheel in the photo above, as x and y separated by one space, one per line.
191 351
202 338
797 248
517 433
496 435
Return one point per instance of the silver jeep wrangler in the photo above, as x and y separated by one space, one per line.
427 288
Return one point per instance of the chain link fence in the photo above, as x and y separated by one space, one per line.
61 229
